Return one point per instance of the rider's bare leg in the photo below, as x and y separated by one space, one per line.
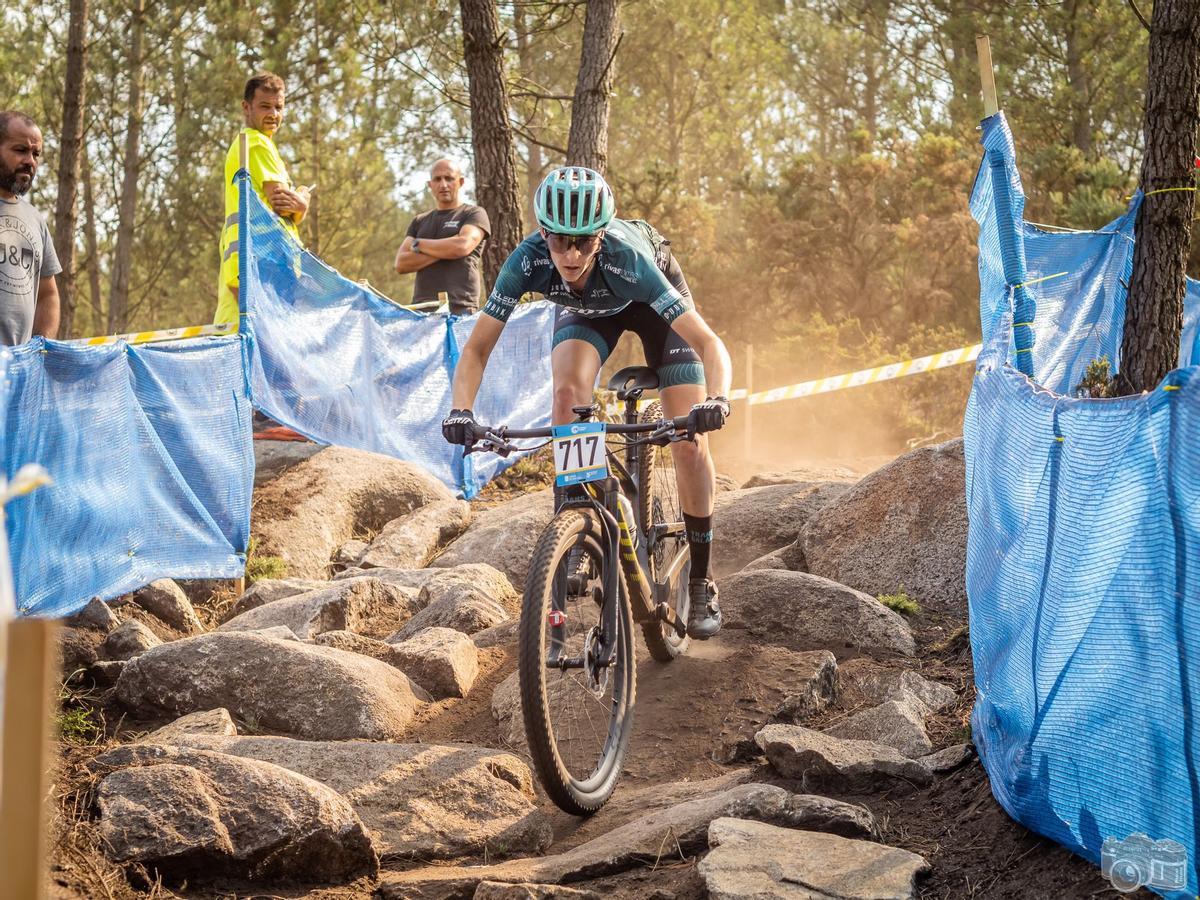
574 366
694 470
697 480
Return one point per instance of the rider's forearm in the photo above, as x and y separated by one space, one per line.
468 375
718 368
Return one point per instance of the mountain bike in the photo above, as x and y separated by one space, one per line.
615 554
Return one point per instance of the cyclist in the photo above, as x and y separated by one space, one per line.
608 276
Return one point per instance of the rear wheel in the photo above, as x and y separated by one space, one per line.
658 504
578 710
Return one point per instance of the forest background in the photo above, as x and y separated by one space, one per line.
809 161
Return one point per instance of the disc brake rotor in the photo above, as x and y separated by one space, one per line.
595 671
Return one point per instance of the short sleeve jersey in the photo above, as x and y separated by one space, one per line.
264 165
459 279
625 272
26 257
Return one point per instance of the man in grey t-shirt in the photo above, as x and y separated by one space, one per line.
444 246
28 263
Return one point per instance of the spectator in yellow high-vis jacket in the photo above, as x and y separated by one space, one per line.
262 107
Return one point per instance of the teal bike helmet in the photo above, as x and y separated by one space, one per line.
574 200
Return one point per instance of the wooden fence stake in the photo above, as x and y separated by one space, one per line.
987 75
30 679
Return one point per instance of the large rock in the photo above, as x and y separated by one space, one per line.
799 476
273 458
825 763
757 861
790 557
498 635
409 542
445 662
948 758
268 590
363 605
480 576
418 801
813 695
384 652
166 601
896 723
805 612
317 505
463 608
679 830
189 813
209 721
865 681
904 525
96 614
754 521
129 639
503 536
285 686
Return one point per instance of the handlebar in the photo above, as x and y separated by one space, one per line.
496 438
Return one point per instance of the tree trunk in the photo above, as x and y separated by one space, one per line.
587 144
118 303
313 216
1077 76
533 151
68 164
1154 309
491 133
92 245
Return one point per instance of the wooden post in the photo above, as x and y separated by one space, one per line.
243 151
239 585
747 428
987 76
29 683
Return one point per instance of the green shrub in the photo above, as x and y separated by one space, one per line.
259 567
1097 380
900 602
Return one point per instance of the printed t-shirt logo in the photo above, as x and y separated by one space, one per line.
18 259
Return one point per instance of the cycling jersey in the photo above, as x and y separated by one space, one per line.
629 269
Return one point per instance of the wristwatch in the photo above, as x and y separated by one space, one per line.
416 245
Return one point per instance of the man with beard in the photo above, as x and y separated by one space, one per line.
28 263
444 245
262 110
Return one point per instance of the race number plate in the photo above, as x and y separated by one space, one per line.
579 453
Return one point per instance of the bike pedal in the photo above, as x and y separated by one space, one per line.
666 614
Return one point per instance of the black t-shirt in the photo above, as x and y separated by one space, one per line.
458 278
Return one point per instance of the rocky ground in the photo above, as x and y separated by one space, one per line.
352 728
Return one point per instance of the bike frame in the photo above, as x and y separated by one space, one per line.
617 537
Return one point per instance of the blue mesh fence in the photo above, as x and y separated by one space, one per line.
1081 565
150 452
342 365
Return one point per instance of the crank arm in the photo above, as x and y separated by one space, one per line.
666 613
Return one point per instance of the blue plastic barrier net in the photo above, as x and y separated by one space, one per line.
342 365
150 452
1082 554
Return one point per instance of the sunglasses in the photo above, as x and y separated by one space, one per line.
585 243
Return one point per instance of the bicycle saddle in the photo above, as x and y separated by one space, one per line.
632 380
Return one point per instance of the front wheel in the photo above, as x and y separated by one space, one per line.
658 504
577 705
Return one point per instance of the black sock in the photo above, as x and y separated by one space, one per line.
700 536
